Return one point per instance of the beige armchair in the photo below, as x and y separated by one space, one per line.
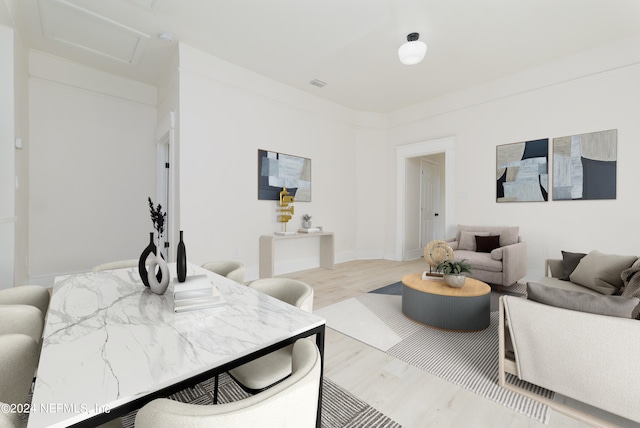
291 403
501 258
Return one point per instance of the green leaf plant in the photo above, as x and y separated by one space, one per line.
449 267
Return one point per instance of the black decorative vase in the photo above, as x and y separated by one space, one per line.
182 260
142 263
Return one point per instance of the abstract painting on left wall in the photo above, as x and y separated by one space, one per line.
522 171
278 170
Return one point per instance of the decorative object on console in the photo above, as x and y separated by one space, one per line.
182 260
278 170
453 272
306 221
285 200
584 166
522 171
158 286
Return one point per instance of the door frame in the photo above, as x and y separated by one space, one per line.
444 145
165 143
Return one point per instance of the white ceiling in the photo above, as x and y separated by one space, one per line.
350 44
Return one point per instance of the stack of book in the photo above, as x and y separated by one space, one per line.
309 230
197 292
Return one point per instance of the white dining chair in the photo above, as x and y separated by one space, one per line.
32 295
231 269
118 264
266 371
18 361
292 403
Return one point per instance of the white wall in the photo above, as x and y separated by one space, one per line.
595 91
226 114
92 166
371 140
21 88
7 166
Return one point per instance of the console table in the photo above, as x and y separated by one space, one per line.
267 242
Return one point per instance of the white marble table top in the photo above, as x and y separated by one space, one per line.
109 340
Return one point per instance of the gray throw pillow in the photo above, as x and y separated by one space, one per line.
468 240
631 278
570 262
615 306
601 272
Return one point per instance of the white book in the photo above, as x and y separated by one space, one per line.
197 292
310 230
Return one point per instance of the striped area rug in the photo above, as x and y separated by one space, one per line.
469 360
339 407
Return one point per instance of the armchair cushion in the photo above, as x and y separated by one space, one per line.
508 234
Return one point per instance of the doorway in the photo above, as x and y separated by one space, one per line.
404 154
429 201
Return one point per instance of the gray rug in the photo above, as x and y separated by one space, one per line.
339 407
469 360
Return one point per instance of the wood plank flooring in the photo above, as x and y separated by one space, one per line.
410 396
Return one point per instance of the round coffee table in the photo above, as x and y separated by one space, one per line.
434 303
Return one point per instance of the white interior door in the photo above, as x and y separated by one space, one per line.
429 202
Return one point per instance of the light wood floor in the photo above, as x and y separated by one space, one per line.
410 396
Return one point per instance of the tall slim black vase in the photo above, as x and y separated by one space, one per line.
182 260
142 262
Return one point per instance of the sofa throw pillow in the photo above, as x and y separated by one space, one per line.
601 272
569 262
486 244
615 306
468 240
631 288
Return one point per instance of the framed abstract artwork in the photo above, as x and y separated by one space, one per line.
278 170
522 171
585 166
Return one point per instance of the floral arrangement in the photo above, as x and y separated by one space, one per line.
157 217
306 217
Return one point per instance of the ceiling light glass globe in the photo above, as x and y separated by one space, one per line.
412 52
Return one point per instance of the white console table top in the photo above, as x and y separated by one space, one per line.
109 340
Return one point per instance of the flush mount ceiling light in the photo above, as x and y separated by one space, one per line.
413 51
166 37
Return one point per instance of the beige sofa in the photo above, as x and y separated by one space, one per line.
576 340
503 265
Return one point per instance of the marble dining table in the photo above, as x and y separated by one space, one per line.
110 345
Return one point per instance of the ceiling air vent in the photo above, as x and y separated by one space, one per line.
318 83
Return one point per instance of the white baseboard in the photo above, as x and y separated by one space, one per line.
413 254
